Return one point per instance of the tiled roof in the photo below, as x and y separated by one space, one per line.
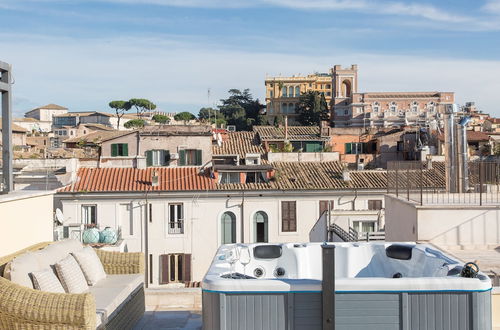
295 133
98 136
84 114
382 95
51 106
239 143
133 179
15 128
472 136
26 119
184 130
99 127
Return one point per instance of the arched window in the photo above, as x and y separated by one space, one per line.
414 106
290 91
393 107
284 91
284 108
376 107
346 88
260 220
291 108
228 228
297 91
431 107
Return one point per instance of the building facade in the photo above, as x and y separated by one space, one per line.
46 113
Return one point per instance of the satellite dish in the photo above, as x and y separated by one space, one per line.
59 216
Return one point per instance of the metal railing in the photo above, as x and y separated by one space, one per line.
176 227
425 183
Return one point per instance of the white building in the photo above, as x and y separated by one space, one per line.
46 113
190 214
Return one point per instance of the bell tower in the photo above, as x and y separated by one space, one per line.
344 81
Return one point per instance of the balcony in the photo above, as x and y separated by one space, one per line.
176 227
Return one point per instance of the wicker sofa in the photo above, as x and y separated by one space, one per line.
118 303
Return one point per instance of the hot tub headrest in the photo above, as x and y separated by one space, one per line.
401 252
267 251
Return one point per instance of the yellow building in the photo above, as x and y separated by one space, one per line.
282 93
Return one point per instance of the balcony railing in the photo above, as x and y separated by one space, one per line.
176 227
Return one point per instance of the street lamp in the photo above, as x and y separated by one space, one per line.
149 184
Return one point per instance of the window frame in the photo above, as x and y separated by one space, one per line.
175 221
84 217
233 227
119 150
375 204
289 217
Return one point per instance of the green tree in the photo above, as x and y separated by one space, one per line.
161 119
142 105
312 108
496 149
278 120
242 110
120 108
135 123
184 116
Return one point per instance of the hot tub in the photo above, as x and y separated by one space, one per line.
377 286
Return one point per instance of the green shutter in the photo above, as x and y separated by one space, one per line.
198 157
114 150
125 149
166 157
182 157
348 148
149 158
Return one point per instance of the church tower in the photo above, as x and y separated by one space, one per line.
345 81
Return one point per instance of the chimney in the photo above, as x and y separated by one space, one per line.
286 128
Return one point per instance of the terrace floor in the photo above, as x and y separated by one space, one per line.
169 319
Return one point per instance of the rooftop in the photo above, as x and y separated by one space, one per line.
472 136
15 128
98 136
239 143
295 133
51 106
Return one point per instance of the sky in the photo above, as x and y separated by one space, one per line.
83 54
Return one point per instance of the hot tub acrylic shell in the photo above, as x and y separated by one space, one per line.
367 297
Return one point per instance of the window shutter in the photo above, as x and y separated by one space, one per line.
323 207
114 150
149 158
348 148
125 149
186 268
164 274
198 157
293 218
166 157
182 157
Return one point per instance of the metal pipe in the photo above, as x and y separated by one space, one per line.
7 152
328 286
463 154
449 149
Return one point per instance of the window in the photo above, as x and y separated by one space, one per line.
157 158
175 218
283 91
229 177
270 108
323 206
119 150
364 226
71 133
290 91
297 91
328 94
190 157
355 148
288 216
254 177
261 227
374 204
228 228
431 106
414 106
271 93
393 107
89 214
310 85
284 108
291 108
346 112
175 268
328 86
376 107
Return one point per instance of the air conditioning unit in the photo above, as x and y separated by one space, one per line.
231 128
174 155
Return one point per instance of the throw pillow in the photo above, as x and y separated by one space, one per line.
46 280
71 276
90 264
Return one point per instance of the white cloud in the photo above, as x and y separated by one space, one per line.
87 74
492 6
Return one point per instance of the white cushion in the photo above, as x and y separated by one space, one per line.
57 251
71 275
18 269
114 291
90 264
46 280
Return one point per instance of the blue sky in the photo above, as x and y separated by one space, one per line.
83 54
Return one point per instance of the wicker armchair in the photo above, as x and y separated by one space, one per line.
26 308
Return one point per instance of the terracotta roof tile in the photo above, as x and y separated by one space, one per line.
98 136
239 143
15 128
295 133
132 179
51 106
472 136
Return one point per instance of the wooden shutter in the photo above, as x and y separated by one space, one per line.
198 157
288 216
164 273
125 149
186 268
323 206
149 158
348 148
114 150
293 216
182 157
374 204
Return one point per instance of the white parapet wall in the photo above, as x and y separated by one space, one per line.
303 156
26 218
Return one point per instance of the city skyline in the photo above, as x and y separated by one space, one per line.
85 54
